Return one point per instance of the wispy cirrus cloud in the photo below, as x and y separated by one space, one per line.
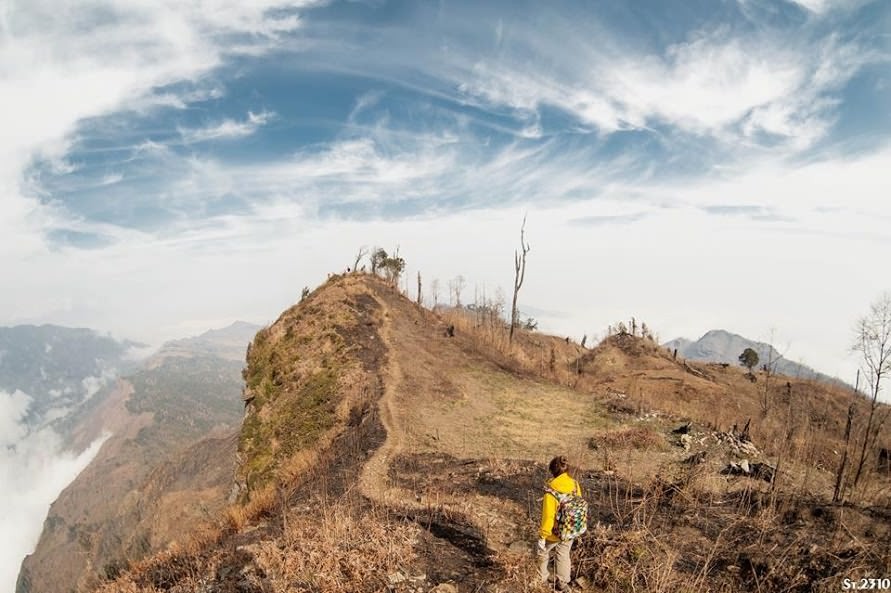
751 86
227 129
611 219
104 57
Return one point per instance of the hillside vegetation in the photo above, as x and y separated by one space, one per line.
381 452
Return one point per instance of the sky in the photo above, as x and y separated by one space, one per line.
167 167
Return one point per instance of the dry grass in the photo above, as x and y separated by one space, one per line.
340 551
261 502
632 437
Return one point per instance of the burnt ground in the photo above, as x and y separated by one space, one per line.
748 540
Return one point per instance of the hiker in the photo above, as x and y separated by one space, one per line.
549 538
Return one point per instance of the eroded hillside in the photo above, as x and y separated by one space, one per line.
380 453
164 471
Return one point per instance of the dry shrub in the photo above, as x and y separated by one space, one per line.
633 437
629 561
341 552
262 502
518 574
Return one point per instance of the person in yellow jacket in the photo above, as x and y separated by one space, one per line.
547 541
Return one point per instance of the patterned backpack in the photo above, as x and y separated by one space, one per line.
571 519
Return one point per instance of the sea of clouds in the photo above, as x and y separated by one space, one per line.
34 469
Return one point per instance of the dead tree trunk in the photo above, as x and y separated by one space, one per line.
519 276
419 289
873 341
838 494
363 251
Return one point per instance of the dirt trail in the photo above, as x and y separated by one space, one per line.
373 481
440 399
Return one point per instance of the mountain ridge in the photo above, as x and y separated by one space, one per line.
389 447
722 346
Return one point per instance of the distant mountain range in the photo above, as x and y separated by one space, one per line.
229 343
162 413
719 345
59 368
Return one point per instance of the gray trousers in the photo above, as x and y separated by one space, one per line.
561 562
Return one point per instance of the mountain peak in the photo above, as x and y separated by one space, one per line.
721 345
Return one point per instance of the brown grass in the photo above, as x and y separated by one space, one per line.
633 437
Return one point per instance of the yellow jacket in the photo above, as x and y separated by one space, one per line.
563 484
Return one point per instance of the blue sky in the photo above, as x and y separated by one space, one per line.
170 166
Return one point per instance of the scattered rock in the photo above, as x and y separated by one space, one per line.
444 588
695 459
686 440
683 428
750 470
737 444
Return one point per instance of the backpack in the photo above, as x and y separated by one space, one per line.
571 519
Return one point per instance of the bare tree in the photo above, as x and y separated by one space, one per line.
363 251
434 292
770 369
456 286
519 276
839 492
872 341
419 288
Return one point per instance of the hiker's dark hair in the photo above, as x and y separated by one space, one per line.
558 465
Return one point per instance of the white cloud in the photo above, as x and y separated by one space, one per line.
363 103
811 225
102 57
33 471
111 179
227 129
93 384
719 83
821 7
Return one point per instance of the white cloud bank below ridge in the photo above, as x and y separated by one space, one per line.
33 472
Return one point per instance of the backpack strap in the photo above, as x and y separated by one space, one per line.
558 496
